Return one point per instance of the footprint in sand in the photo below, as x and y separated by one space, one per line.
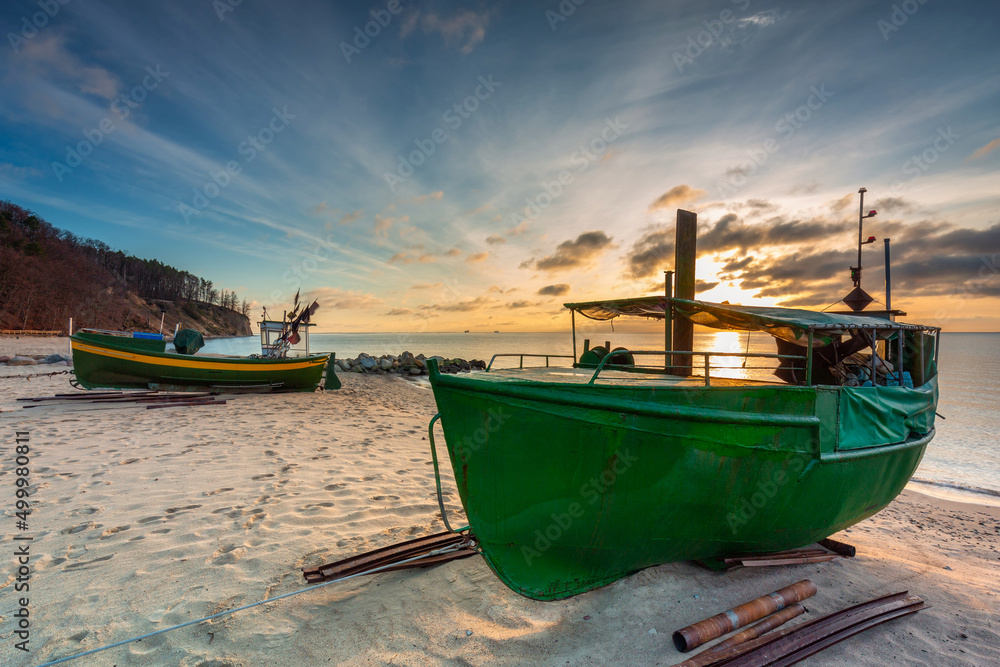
160 531
385 497
222 490
174 510
227 555
113 531
78 564
125 463
333 487
257 478
150 519
79 528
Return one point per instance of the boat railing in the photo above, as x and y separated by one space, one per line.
522 356
706 365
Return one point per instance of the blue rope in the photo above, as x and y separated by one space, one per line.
436 552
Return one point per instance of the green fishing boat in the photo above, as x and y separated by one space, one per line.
574 477
108 361
119 360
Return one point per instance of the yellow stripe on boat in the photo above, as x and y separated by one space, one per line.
204 364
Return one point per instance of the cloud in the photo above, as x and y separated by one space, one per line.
426 286
675 196
454 252
408 256
554 290
433 196
983 150
519 230
382 225
569 254
651 253
46 56
477 257
478 210
462 306
495 239
334 298
466 27
395 312
520 304
888 204
931 258
351 217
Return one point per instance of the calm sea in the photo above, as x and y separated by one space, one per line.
962 462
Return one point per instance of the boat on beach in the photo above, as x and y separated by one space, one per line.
572 477
122 360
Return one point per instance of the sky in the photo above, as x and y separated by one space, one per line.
443 166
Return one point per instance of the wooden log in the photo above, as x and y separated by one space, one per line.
685 252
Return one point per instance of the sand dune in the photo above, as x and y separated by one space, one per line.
149 518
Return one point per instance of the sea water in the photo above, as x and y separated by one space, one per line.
962 462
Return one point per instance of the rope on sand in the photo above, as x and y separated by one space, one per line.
436 552
32 375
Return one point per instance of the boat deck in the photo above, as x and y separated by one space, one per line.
568 375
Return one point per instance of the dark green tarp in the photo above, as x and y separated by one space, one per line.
873 416
790 324
188 341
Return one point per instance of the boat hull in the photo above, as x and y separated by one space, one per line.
113 362
571 487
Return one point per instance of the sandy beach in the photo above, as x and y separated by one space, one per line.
148 518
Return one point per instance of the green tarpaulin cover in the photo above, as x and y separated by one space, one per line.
791 324
188 341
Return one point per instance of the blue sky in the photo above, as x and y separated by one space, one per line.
474 165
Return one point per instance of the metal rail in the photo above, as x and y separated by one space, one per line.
522 356
706 355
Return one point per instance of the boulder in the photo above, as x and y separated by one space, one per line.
4 358
385 364
55 358
18 360
368 363
415 371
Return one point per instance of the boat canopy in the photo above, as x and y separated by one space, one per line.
790 324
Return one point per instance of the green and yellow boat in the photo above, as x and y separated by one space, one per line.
108 360
576 476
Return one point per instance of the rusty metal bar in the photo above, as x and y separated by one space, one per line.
710 655
842 548
183 404
697 634
786 647
393 554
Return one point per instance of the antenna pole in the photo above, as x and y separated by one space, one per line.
861 221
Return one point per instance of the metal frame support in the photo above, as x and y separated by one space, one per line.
809 359
668 317
572 319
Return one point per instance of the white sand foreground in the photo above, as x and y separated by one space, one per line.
148 518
